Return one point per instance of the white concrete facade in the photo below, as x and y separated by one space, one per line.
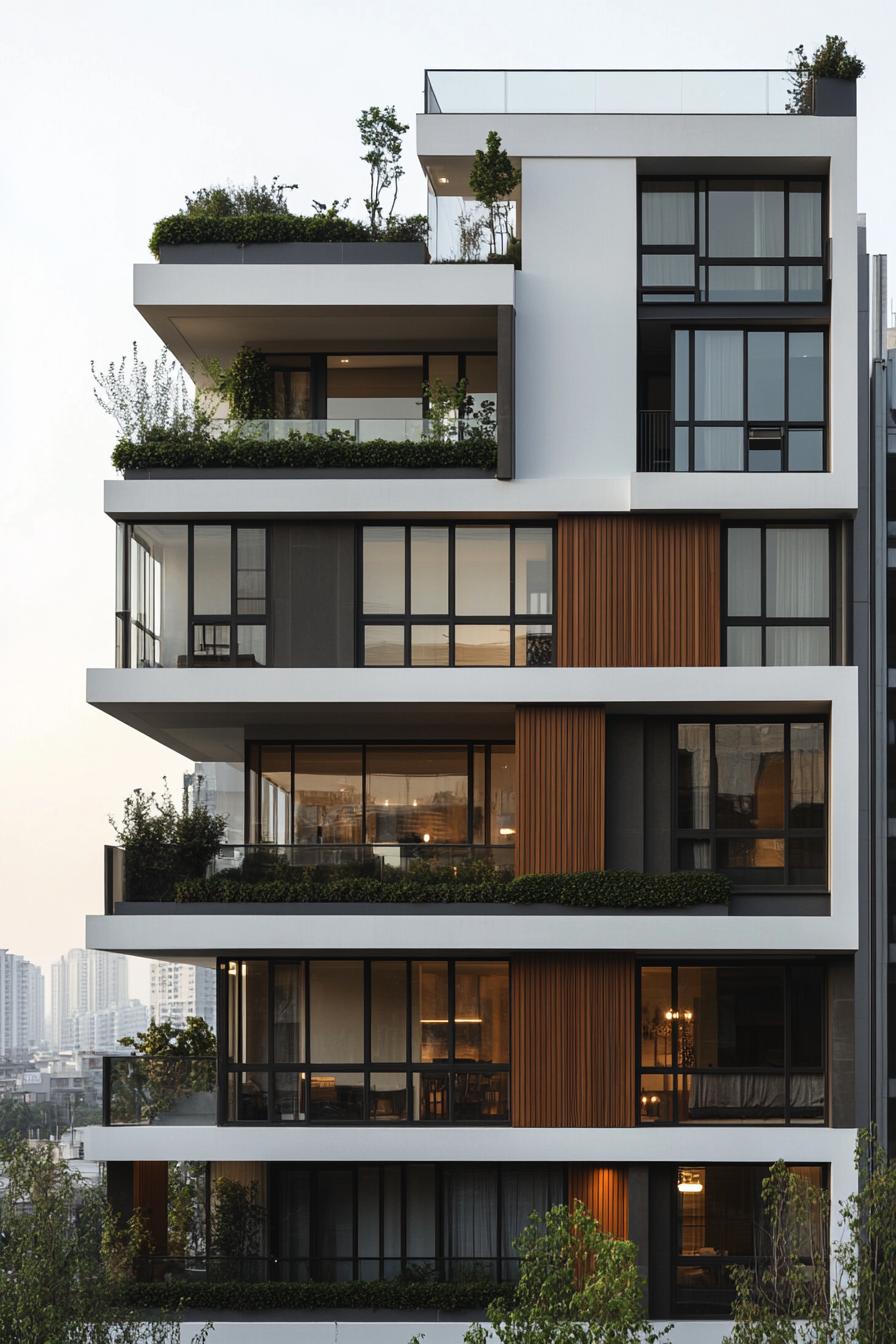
576 427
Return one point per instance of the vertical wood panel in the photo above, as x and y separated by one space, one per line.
604 1192
573 1040
151 1198
560 752
638 591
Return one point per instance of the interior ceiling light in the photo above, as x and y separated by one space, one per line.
344 361
690 1182
443 180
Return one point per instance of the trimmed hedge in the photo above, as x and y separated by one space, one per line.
619 890
177 449
175 230
376 1295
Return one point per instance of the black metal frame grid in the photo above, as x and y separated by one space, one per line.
195 621
303 1069
777 430
720 1262
697 292
712 833
678 1071
450 618
764 621
252 765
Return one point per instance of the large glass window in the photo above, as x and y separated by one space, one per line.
720 1222
749 400
736 1043
733 240
192 595
752 802
778 603
381 1041
419 1221
381 794
464 595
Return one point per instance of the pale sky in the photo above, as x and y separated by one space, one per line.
111 113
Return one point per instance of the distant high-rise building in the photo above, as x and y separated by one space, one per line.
177 992
219 787
84 982
21 1005
103 1029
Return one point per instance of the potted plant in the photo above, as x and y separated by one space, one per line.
825 84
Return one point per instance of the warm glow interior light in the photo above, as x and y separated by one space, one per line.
426 837
507 830
690 1182
343 361
443 180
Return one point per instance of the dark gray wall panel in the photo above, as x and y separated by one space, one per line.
313 594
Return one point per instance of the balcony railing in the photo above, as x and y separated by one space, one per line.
414 429
655 441
248 864
663 92
160 1090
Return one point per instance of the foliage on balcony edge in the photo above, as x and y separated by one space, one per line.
326 227
375 1295
594 890
187 449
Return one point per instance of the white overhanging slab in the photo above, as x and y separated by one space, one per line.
325 1143
376 496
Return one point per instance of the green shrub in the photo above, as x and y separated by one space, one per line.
164 844
248 385
199 449
605 889
375 1295
324 227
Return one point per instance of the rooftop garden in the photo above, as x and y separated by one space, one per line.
260 213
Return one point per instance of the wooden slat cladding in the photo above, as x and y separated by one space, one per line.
638 591
604 1192
573 1040
560 758
151 1200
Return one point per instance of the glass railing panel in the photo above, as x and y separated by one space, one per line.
362 430
165 1090
660 92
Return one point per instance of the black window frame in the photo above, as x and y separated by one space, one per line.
675 1072
764 621
713 833
294 744
678 1260
441 1265
449 1068
760 427
194 620
317 369
450 618
655 295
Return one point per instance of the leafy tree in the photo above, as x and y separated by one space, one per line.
247 384
229 201
142 402
65 1259
492 180
577 1285
193 1040
445 404
381 135
237 1227
164 844
829 61
791 1296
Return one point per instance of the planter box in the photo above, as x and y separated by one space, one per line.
834 97
294 254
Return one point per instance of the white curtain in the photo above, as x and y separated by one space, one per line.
471 1216
522 1193
718 375
667 218
797 578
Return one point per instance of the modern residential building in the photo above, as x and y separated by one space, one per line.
618 690
21 1006
84 981
177 992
